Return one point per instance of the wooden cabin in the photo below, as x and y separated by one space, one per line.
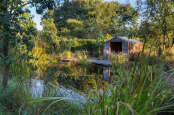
121 44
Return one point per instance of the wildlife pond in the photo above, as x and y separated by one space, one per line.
70 78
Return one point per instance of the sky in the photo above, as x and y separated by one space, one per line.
37 17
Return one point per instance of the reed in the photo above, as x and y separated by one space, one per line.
138 89
82 58
13 101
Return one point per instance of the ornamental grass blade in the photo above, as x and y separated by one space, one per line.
48 98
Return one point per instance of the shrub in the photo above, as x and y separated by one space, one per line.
80 45
68 54
118 59
168 55
153 57
82 57
41 58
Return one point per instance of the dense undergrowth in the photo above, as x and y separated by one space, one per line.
13 101
137 88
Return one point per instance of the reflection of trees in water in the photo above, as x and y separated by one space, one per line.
81 82
77 76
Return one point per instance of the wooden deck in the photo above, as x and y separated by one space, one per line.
92 60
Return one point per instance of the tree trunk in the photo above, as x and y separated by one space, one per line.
172 39
7 65
168 39
164 41
5 75
159 50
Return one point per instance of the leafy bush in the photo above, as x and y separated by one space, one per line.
118 59
41 59
168 55
68 54
82 58
13 97
80 45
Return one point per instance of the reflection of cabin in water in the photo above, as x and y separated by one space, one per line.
121 44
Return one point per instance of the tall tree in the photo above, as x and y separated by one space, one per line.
12 30
160 13
96 15
49 33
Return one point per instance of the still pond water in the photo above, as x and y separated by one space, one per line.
71 76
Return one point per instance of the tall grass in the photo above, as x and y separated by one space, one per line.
168 54
138 89
118 59
82 58
13 101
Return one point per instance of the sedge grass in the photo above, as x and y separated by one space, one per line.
13 101
138 90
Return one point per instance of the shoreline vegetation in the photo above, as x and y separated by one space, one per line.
35 81
141 90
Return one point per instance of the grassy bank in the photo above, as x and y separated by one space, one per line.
13 101
137 89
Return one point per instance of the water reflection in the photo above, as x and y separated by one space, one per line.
106 73
77 76
37 88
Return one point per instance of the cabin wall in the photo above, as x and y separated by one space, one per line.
137 47
125 48
106 50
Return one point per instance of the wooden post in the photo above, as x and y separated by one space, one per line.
109 50
122 46
103 50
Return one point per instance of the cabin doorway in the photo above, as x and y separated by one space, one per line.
116 47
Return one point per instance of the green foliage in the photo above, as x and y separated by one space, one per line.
49 33
118 59
157 25
85 18
83 58
15 29
100 40
68 54
137 90
13 101
41 59
75 44
13 98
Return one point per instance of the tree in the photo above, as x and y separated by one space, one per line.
159 13
12 31
49 33
111 17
